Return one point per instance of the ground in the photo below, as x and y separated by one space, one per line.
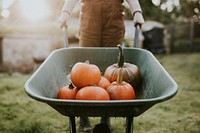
22 114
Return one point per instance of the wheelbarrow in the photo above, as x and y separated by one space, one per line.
156 86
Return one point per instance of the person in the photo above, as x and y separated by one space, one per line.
101 25
101 21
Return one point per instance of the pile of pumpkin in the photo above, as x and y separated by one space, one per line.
87 83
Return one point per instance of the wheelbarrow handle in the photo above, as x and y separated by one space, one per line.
136 38
66 43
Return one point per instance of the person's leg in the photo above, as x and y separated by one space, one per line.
106 121
85 124
90 24
112 30
102 23
90 36
113 24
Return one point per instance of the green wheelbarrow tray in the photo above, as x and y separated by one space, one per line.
156 86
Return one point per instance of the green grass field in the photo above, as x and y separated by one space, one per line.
181 114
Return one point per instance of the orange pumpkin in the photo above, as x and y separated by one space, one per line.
92 93
121 90
104 83
131 73
85 74
67 92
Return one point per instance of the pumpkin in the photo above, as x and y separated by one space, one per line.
131 73
85 74
92 93
121 90
104 83
67 92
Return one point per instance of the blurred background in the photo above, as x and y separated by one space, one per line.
29 32
29 28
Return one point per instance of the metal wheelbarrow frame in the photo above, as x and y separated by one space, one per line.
157 85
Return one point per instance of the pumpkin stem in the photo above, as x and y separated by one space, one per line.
71 86
87 62
120 76
121 56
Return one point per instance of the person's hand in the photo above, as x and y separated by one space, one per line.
138 18
63 18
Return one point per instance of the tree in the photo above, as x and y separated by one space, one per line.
189 9
186 9
153 12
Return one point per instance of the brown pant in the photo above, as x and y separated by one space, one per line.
102 23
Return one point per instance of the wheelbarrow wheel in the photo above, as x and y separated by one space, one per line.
101 128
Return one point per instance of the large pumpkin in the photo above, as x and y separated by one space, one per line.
92 93
131 73
121 90
85 74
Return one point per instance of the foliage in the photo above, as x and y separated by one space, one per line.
186 10
152 12
188 7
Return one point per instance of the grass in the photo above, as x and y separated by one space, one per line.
21 114
49 28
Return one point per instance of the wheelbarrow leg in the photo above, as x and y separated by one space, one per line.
72 124
129 125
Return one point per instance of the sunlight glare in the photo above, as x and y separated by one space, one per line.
156 2
5 13
168 5
4 5
34 9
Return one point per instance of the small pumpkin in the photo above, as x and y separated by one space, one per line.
85 74
131 73
92 93
67 92
121 90
104 83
